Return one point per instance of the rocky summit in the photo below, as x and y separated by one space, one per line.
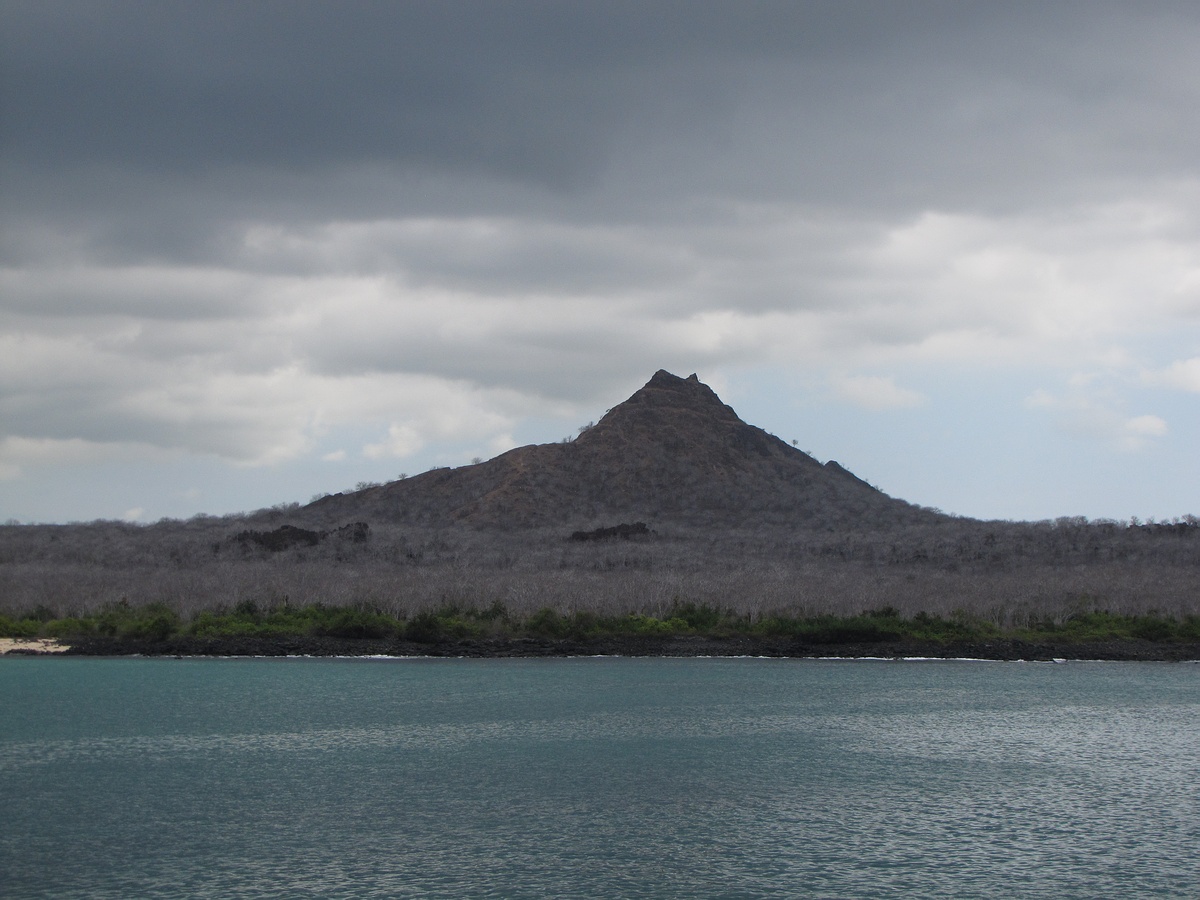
672 452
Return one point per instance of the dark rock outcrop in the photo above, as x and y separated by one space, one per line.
285 537
624 531
282 538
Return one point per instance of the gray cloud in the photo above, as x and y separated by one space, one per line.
838 102
227 228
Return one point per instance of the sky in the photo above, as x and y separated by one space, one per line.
255 252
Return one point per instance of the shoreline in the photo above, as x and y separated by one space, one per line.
999 649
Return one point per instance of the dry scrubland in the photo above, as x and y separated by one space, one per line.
1010 574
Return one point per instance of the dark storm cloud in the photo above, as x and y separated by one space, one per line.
519 90
551 93
148 132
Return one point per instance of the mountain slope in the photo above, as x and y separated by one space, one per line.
671 452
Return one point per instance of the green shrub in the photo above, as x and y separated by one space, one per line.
494 613
1153 628
248 611
18 628
153 622
210 624
636 623
699 618
357 623
583 623
548 623
157 622
68 627
959 626
424 628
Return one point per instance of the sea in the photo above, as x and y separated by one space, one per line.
598 777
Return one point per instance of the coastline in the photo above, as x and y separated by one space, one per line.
999 649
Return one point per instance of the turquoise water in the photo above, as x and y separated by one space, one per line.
598 778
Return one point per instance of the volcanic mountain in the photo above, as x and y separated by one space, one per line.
673 452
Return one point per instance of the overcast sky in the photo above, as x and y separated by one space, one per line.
255 251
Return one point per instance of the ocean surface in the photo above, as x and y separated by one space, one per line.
598 778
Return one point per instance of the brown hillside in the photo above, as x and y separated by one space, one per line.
671 452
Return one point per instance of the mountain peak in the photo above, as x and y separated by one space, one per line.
671 452
666 392
678 424
664 379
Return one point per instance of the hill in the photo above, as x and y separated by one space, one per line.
672 452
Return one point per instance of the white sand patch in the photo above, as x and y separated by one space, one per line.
36 645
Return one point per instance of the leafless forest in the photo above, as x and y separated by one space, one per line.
1008 573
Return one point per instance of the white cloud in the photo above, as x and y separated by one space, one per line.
1095 415
18 455
780 281
450 414
1146 426
401 441
1182 375
444 328
1041 399
1140 430
1063 287
877 393
501 443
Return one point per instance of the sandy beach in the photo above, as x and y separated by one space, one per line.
31 645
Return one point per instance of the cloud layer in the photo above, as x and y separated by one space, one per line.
280 232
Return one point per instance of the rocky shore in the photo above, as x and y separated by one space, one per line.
653 646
